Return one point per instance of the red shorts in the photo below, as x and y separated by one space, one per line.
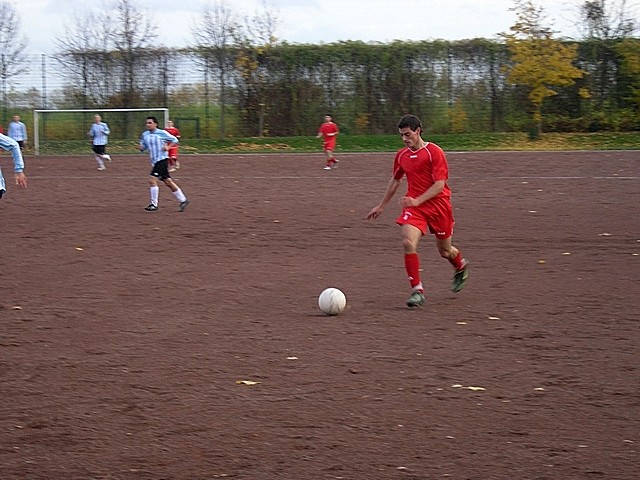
173 152
329 145
436 215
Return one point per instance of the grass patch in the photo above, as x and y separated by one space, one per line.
374 143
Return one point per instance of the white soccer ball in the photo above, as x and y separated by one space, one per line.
332 301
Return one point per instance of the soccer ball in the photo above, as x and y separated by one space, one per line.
332 301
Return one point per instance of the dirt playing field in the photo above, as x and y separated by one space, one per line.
163 345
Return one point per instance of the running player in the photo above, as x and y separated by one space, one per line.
426 207
158 142
99 133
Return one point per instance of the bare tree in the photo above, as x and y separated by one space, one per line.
83 53
256 39
261 28
606 20
12 47
132 36
112 59
216 34
605 23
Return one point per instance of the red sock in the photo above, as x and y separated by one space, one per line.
457 262
412 265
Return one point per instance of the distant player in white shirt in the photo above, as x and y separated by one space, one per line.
18 131
99 133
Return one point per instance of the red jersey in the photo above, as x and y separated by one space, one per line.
423 168
173 131
173 149
326 129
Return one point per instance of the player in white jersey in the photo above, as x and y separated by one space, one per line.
158 142
99 134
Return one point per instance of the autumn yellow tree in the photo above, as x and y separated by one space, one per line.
538 60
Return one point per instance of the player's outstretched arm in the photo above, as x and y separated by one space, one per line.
391 190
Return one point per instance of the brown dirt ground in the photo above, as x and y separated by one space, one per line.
124 334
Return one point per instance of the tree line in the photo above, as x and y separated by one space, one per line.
525 80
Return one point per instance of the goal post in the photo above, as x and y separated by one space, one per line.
59 126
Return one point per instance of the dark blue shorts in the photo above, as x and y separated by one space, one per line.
99 149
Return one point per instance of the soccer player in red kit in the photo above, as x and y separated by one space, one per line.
174 164
329 131
426 207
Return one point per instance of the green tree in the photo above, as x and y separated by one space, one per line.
629 51
538 60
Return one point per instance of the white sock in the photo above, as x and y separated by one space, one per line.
179 195
154 194
100 162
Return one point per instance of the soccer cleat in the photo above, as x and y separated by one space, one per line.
177 165
416 299
102 167
327 167
460 277
151 207
107 157
183 205
172 169
335 163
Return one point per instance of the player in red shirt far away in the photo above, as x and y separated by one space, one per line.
174 164
426 207
329 131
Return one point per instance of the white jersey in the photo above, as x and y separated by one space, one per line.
155 141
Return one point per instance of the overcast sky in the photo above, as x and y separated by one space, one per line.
309 21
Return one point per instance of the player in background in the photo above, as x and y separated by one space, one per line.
426 206
158 142
174 164
11 146
18 131
329 131
99 133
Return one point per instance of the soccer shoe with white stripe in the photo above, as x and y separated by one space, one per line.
416 299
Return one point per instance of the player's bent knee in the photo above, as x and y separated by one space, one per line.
409 245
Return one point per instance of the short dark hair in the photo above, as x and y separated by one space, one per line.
410 121
155 120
